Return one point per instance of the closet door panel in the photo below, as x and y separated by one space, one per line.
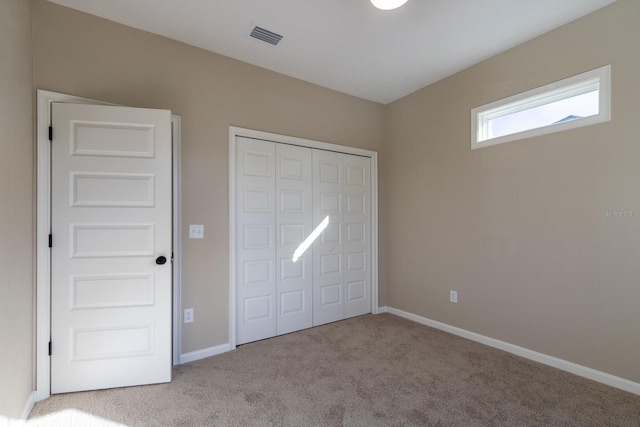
357 243
294 217
328 256
255 240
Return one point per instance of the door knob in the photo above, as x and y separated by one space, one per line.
161 260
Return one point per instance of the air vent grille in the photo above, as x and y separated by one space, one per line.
265 35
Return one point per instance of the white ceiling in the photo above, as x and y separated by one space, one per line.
348 45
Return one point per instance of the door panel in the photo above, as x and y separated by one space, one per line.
328 277
112 189
111 218
357 244
255 234
293 220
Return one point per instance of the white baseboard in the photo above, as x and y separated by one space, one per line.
564 365
28 406
205 352
26 411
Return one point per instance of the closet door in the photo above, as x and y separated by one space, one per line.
255 240
293 226
287 196
328 276
357 241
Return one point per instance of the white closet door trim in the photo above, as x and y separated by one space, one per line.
235 132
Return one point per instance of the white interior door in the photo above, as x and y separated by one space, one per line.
293 225
111 226
255 234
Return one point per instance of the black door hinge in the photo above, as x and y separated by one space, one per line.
50 133
50 240
49 348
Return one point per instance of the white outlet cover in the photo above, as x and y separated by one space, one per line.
188 315
196 231
453 296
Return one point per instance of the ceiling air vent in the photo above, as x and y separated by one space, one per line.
265 35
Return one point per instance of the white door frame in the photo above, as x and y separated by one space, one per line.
43 228
235 132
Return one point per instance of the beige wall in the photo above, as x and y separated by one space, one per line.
518 229
83 55
16 219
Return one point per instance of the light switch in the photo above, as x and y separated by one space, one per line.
196 231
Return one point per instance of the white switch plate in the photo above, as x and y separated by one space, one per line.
188 315
453 296
196 231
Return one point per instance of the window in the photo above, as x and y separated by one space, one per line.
578 101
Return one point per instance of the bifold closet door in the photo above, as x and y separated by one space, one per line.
342 253
255 240
285 197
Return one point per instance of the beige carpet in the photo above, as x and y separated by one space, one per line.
368 371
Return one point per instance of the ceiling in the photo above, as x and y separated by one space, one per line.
348 45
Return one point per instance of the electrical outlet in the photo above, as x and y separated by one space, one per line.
196 231
453 296
188 315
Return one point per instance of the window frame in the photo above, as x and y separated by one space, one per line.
597 79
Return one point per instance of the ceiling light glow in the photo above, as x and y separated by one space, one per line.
388 4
